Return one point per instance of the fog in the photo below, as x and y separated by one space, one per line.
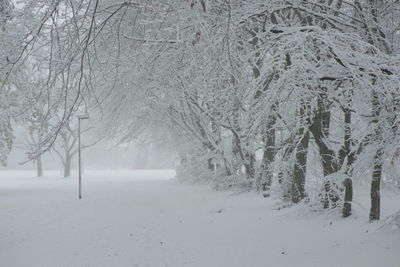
213 133
105 154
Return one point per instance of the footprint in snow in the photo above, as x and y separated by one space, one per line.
217 211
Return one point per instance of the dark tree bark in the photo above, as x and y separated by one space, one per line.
300 156
67 165
329 159
242 154
210 164
266 172
285 174
264 179
250 161
378 160
374 213
300 167
39 166
348 183
348 197
238 156
237 153
39 163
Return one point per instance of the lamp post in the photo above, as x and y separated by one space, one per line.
82 116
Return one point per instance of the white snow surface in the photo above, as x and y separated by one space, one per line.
146 218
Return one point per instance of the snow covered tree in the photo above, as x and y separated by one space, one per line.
230 80
7 98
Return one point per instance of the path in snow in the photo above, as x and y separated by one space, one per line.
140 218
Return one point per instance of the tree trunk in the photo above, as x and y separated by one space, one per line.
320 129
266 172
285 175
348 197
212 161
378 161
348 183
39 166
236 152
67 166
250 161
227 166
330 162
375 186
210 164
300 167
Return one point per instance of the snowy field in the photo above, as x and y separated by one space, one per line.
145 218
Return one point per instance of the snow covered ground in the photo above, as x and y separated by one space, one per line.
144 218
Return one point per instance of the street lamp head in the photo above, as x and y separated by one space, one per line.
83 116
